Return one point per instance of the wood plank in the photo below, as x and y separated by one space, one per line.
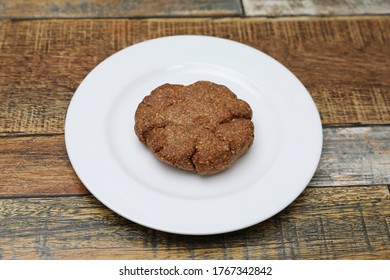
31 9
276 8
323 223
36 166
33 166
342 61
354 156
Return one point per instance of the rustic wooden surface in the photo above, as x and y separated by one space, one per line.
45 211
314 7
342 61
31 9
323 223
38 165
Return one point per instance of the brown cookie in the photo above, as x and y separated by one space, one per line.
202 127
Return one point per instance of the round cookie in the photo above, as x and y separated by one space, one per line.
202 127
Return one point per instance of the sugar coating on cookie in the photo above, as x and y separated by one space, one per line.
202 127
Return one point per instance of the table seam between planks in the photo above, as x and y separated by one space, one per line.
379 186
219 18
14 134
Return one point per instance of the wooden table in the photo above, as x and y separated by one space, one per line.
340 52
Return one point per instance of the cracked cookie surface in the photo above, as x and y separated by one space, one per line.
202 127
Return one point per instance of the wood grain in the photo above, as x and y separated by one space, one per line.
33 166
36 166
354 156
342 61
325 223
314 7
30 9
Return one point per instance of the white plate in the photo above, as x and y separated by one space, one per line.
120 172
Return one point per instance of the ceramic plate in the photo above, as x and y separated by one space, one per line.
122 173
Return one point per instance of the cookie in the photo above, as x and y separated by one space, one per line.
202 127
